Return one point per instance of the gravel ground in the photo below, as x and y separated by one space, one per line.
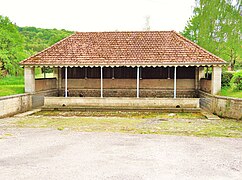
53 154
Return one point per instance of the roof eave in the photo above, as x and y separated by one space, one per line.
128 65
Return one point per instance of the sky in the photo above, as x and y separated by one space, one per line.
99 15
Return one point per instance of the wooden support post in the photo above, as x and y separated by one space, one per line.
137 82
175 82
113 73
66 93
101 82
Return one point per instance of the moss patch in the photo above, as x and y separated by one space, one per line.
124 114
185 124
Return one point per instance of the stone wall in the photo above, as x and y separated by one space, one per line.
14 104
129 93
45 84
129 83
205 85
10 105
122 102
161 88
38 98
222 106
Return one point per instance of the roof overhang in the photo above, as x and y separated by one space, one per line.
127 65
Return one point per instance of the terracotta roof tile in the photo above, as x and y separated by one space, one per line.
124 48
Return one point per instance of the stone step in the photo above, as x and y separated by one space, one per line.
27 113
107 108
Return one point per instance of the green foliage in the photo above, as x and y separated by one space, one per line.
1 69
37 39
226 78
37 71
11 46
216 25
18 43
236 81
228 91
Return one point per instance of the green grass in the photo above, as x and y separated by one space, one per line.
139 123
10 85
230 93
12 80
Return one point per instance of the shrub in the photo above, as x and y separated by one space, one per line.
226 78
1 71
236 81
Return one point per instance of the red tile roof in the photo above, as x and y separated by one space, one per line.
124 48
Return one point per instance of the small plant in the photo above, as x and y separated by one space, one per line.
236 81
8 134
60 128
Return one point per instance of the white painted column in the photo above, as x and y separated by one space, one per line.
101 82
112 72
175 82
29 79
137 82
66 82
216 80
85 69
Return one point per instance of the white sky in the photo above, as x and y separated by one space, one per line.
99 15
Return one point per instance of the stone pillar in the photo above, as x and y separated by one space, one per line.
29 79
216 80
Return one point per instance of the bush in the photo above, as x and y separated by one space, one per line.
226 78
236 81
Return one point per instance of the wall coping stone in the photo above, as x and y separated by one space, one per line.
14 96
221 97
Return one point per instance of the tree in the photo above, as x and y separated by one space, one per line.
37 39
216 25
11 47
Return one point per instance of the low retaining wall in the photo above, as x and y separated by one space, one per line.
182 84
14 104
10 105
38 98
122 102
222 106
154 93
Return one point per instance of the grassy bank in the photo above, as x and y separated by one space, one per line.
226 91
11 85
184 124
